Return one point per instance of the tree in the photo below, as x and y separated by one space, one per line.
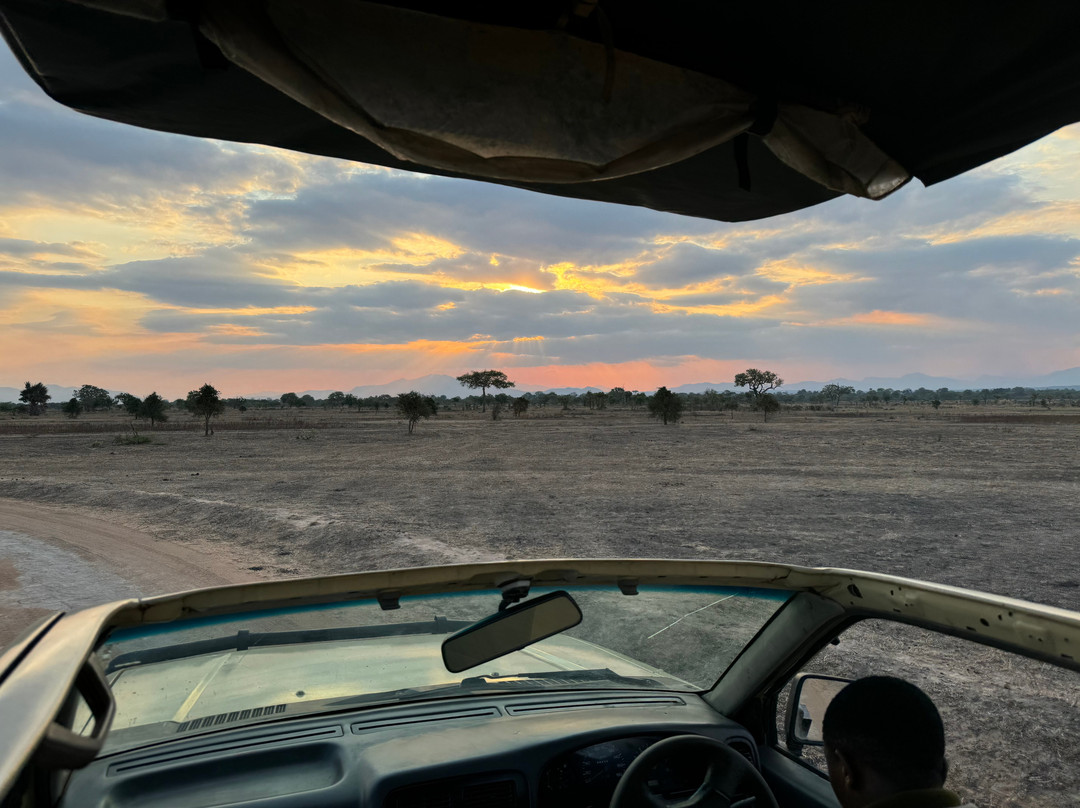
92 397
666 406
759 381
412 406
730 404
291 400
594 401
520 406
833 392
482 380
336 399
765 403
72 408
153 408
36 396
131 404
205 403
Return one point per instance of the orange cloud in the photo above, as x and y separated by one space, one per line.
747 308
878 317
796 274
233 330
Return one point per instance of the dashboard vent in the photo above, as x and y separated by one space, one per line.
228 718
593 703
216 746
744 748
397 719
487 792
488 795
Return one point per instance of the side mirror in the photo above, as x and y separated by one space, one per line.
810 697
510 630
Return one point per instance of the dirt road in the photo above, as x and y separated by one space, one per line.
61 559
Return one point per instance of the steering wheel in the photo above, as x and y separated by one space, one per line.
729 773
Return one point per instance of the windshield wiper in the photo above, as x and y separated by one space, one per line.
243 640
516 681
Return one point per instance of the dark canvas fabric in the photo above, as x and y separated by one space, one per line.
948 86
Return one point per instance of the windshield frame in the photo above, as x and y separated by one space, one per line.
175 685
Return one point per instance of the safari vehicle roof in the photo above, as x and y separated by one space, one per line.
939 88
37 673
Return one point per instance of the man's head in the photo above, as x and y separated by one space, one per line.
882 736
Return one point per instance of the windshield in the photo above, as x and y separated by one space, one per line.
210 673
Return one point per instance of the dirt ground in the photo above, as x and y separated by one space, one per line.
985 505
993 505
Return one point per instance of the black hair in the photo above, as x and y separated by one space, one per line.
891 727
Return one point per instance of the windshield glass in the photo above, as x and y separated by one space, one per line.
211 673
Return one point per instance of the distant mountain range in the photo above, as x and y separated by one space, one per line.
440 385
1060 378
434 384
58 392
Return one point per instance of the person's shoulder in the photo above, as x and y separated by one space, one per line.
923 798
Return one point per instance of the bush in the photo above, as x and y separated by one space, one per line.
412 407
132 440
665 405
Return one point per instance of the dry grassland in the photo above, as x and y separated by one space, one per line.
993 505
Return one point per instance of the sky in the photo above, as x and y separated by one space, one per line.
139 261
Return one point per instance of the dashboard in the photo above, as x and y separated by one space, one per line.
536 750
587 777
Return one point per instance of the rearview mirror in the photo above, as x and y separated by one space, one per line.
810 698
510 630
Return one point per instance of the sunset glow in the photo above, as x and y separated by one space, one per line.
136 260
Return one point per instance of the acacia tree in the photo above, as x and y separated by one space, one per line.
205 403
482 380
153 408
665 405
759 381
413 406
833 392
35 396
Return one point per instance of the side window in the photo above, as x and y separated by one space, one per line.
1012 724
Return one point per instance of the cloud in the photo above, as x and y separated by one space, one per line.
169 252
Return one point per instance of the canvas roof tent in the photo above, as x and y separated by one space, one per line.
719 110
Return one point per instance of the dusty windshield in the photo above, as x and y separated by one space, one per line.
212 673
